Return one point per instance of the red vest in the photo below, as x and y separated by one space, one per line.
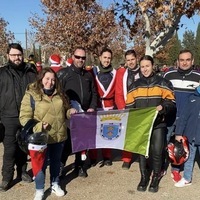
121 87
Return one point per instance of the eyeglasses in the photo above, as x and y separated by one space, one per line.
15 55
80 57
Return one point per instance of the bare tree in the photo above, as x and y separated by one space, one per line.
155 20
67 24
5 37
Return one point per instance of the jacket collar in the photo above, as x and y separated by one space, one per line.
77 70
184 72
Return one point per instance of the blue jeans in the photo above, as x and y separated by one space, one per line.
170 132
189 164
53 156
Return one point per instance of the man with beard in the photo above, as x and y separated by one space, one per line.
14 78
105 77
78 85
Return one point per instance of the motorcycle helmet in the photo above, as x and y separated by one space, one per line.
39 138
178 151
23 135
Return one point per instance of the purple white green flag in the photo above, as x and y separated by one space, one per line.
128 130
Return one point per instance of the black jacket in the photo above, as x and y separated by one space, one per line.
12 88
78 84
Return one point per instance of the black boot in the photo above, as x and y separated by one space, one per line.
145 174
154 183
142 186
5 185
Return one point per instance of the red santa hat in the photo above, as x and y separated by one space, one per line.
55 60
38 64
69 61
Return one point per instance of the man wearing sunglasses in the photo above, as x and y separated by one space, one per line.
78 84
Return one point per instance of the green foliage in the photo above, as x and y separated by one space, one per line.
189 40
169 53
174 50
197 46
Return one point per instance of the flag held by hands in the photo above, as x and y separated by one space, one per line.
128 130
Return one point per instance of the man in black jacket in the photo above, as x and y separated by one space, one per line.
14 78
78 84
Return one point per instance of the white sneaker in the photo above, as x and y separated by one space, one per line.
55 188
182 183
39 194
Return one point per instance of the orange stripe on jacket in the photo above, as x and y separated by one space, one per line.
154 92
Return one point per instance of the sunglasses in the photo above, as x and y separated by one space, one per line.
80 57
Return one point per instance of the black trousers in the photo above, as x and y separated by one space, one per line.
67 151
156 151
13 155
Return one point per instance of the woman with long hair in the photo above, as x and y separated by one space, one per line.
50 110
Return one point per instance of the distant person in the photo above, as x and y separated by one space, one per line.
14 76
88 67
165 68
55 62
69 61
31 59
38 66
124 79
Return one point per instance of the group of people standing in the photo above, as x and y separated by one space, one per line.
58 95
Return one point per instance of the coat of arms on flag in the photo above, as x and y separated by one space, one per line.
128 130
110 131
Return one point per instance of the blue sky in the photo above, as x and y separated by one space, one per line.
17 12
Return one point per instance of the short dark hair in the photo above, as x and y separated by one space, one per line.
14 46
80 48
130 52
147 57
185 51
31 56
106 50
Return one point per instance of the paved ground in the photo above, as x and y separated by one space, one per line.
107 183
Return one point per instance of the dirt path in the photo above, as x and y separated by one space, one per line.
107 183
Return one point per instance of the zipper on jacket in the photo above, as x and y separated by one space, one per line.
81 87
52 103
148 95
